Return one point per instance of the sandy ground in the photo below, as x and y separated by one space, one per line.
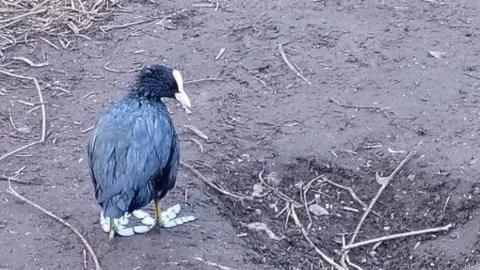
384 76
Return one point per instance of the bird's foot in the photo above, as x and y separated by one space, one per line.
169 219
120 226
116 226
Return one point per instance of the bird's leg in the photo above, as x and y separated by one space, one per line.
113 228
158 213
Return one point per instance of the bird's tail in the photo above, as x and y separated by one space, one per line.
111 209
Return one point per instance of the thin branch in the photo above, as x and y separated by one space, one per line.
50 214
303 197
197 142
15 180
88 129
290 66
203 80
349 189
432 2
44 114
471 75
213 264
85 265
50 43
353 264
134 69
396 236
106 28
324 256
197 131
278 192
383 111
29 62
211 184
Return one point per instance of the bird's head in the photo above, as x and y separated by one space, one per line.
157 81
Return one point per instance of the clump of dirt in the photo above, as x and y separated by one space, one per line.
411 202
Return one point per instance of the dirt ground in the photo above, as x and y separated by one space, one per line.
384 76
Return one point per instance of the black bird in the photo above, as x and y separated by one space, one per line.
134 152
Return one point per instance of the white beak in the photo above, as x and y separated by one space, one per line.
181 96
183 99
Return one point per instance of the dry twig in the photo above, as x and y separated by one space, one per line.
290 66
278 192
349 189
106 28
324 256
396 236
88 129
203 80
432 2
29 62
303 197
353 265
55 217
197 131
134 69
471 75
197 142
383 111
213 264
44 114
15 180
50 43
211 184
84 253
220 53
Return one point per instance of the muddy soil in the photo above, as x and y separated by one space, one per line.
384 75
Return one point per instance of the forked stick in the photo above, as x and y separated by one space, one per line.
384 181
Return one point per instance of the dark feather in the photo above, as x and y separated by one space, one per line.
134 155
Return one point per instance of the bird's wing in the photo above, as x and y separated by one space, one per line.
169 173
130 147
173 164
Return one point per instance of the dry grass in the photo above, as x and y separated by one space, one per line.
53 21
